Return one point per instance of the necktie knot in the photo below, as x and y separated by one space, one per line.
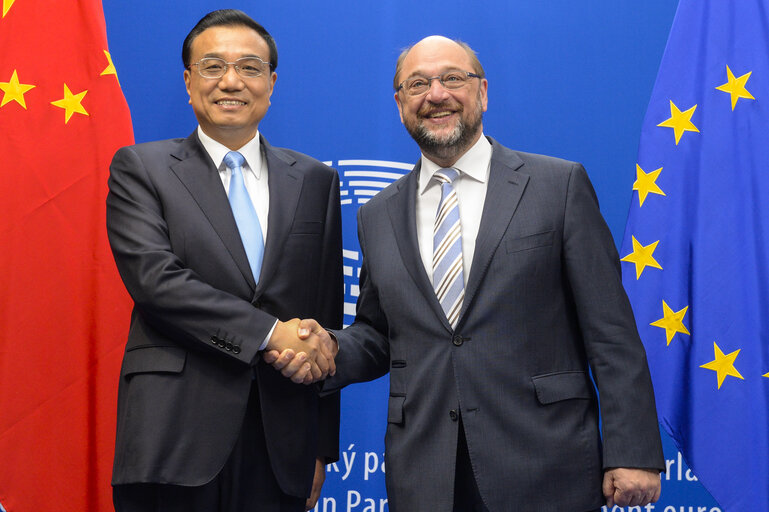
234 160
446 175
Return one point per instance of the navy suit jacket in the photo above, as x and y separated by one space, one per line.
544 305
199 318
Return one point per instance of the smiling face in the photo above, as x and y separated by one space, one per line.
445 123
229 108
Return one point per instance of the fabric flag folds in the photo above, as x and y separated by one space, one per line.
63 309
696 246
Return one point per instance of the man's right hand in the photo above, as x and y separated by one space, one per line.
291 363
299 353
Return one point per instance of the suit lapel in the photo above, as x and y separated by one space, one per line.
285 187
505 189
196 171
401 207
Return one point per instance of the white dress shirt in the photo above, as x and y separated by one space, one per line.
470 186
254 176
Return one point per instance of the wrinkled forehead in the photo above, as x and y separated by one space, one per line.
433 56
230 41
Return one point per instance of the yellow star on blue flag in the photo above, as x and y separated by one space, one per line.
735 86
707 126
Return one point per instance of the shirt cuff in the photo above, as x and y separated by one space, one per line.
269 335
333 337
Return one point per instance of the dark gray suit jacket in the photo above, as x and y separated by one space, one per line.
544 304
199 318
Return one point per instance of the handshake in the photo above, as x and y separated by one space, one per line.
302 351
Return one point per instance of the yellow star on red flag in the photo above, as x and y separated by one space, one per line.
71 103
642 256
723 365
679 121
110 69
14 91
52 190
7 6
736 86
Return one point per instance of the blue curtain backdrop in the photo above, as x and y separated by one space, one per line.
570 79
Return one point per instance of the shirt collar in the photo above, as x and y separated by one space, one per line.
251 151
474 163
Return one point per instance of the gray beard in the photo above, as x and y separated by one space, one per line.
452 145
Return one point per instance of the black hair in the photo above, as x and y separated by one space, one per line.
231 18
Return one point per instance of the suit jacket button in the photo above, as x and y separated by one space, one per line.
214 340
453 415
457 340
228 346
235 349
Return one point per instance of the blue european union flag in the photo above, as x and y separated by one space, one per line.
696 247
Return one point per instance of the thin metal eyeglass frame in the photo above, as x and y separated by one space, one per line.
440 79
227 67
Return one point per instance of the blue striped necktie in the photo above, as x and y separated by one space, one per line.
245 215
448 278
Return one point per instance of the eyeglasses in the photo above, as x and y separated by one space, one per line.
418 85
214 67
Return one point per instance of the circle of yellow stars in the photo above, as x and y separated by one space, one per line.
642 256
72 103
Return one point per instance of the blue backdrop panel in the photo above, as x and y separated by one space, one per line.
570 79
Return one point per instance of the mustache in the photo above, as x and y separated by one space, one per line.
429 108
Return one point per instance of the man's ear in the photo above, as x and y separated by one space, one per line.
400 106
187 78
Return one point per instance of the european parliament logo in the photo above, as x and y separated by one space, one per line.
360 180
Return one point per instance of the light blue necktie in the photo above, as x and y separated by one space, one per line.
245 215
448 278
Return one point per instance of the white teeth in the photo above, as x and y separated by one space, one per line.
441 114
229 102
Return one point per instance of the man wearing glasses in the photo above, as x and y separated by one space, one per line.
489 289
221 239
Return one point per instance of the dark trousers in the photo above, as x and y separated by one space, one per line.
467 498
245 483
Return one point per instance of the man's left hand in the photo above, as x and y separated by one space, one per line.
631 487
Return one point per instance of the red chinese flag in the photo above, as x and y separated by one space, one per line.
63 309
